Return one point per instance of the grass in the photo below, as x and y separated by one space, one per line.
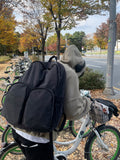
4 58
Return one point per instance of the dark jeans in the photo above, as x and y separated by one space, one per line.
32 150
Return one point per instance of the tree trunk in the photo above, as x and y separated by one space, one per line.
42 49
58 44
111 46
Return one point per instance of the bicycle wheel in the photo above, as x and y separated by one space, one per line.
7 135
6 153
7 138
110 137
66 126
9 68
75 126
3 84
3 121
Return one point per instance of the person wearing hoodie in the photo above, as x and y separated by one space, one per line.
36 146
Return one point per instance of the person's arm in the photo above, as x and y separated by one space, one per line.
76 106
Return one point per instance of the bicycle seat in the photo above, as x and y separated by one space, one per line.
7 72
7 78
17 77
22 71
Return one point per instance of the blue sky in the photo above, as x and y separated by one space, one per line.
89 25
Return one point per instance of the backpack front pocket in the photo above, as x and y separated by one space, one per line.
39 110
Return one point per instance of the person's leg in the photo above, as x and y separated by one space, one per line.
34 151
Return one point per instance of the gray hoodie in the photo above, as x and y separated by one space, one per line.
72 57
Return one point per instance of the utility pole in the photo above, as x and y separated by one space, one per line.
111 46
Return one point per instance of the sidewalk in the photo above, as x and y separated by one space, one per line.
115 96
100 55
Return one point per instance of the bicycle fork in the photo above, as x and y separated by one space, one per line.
100 141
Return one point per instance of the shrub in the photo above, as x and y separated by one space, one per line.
92 80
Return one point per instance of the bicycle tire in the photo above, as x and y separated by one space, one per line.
6 153
111 137
7 138
2 121
1 129
3 80
67 125
75 126
8 68
7 135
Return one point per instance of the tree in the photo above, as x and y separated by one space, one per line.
29 39
118 25
8 38
78 39
52 47
89 45
52 43
66 13
37 18
101 36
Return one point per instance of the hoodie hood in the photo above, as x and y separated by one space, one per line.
73 57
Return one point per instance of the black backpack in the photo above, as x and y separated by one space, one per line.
36 102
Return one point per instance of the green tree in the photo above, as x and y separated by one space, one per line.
78 39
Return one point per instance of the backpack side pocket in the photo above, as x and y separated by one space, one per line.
13 106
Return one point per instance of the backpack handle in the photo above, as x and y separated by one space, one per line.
52 58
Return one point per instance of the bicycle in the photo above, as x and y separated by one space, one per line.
1 128
73 127
6 132
4 81
99 144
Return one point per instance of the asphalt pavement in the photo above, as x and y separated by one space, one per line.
116 89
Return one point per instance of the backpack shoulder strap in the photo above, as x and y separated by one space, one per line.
52 58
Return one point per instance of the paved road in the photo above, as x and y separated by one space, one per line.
100 64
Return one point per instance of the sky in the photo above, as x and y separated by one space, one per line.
91 23
88 26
